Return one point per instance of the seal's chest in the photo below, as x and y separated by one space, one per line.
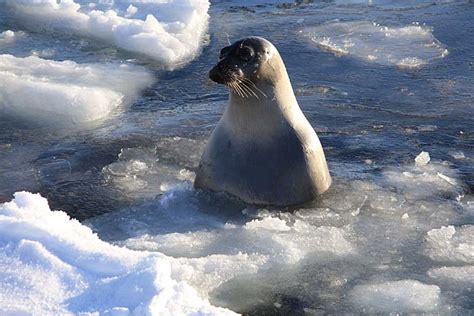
258 165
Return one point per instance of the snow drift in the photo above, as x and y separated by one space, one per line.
66 93
51 264
167 31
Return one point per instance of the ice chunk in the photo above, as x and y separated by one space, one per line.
451 244
172 41
369 226
457 154
66 92
396 296
409 46
191 226
282 239
424 181
139 172
453 275
51 264
422 159
427 128
7 36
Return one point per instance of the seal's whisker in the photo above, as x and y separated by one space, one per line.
255 86
245 88
238 89
242 89
235 88
231 87
236 83
249 88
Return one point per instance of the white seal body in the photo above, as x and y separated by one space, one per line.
263 150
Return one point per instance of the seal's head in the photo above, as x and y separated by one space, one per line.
244 63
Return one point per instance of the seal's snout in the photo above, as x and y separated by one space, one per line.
216 76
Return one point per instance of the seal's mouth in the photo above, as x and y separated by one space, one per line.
236 82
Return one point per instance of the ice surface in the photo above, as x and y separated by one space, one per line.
66 93
215 244
146 172
425 181
408 46
451 244
272 237
374 218
170 32
194 226
453 275
399 296
51 264
457 154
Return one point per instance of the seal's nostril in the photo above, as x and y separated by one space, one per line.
216 76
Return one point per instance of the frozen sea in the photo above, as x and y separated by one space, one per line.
105 108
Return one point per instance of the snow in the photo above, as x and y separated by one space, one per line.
51 264
407 46
64 93
169 32
399 296
85 274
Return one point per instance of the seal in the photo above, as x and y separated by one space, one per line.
263 150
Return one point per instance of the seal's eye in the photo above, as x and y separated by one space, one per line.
246 53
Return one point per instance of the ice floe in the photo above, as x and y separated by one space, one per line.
51 264
463 275
396 296
7 36
451 244
66 92
407 46
169 32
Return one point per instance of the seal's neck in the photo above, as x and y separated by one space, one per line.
275 110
